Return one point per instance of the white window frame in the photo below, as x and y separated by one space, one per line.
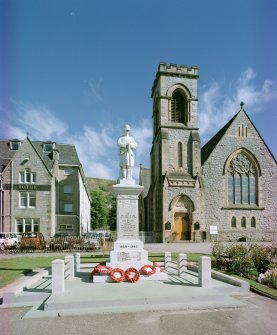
34 222
68 171
68 208
68 189
48 147
66 226
23 176
14 145
28 196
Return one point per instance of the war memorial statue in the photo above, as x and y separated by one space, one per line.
126 155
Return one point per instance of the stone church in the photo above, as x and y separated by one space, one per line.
225 190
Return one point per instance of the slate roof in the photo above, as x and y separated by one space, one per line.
145 179
67 154
5 154
208 148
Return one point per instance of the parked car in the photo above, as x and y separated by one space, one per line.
92 240
60 240
8 240
34 240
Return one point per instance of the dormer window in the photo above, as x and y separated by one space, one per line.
48 146
14 144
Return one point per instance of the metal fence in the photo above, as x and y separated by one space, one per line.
67 244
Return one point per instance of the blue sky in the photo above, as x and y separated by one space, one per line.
75 71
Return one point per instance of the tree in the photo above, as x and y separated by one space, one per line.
112 215
99 210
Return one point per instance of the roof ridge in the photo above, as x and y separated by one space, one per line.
208 148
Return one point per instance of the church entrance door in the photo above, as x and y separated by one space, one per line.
182 226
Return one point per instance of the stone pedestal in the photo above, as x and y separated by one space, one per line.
128 249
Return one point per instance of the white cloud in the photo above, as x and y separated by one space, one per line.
218 103
38 121
143 136
96 146
97 151
92 92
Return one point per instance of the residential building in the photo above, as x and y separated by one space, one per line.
43 188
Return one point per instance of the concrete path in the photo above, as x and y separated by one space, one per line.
178 306
82 296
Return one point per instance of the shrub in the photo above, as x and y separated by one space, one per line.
219 254
243 260
262 256
240 262
269 278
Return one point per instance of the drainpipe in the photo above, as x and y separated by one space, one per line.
1 203
11 197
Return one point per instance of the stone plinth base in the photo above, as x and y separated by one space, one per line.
127 254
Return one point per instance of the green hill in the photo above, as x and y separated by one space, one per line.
103 185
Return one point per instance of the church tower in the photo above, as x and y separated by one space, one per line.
174 198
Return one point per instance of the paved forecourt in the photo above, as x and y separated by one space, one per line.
82 296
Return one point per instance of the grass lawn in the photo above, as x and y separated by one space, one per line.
13 268
260 288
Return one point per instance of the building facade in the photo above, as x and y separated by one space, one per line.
43 188
227 187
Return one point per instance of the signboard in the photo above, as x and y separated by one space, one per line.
213 230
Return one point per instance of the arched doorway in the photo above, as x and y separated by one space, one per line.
182 227
182 210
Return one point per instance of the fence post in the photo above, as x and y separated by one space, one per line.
167 260
77 258
182 264
69 267
204 271
57 276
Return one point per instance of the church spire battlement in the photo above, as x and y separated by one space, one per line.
173 70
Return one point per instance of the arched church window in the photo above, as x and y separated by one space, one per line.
243 222
180 155
179 108
233 222
156 115
253 222
242 181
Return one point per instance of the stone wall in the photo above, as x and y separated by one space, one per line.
215 187
43 209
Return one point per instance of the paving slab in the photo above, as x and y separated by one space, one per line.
82 296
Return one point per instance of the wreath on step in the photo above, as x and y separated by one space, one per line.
148 270
117 275
132 275
101 269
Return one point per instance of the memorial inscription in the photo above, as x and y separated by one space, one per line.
128 221
126 256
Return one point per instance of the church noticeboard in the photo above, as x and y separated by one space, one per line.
213 230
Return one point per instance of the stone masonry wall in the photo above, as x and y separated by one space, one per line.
215 187
43 209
